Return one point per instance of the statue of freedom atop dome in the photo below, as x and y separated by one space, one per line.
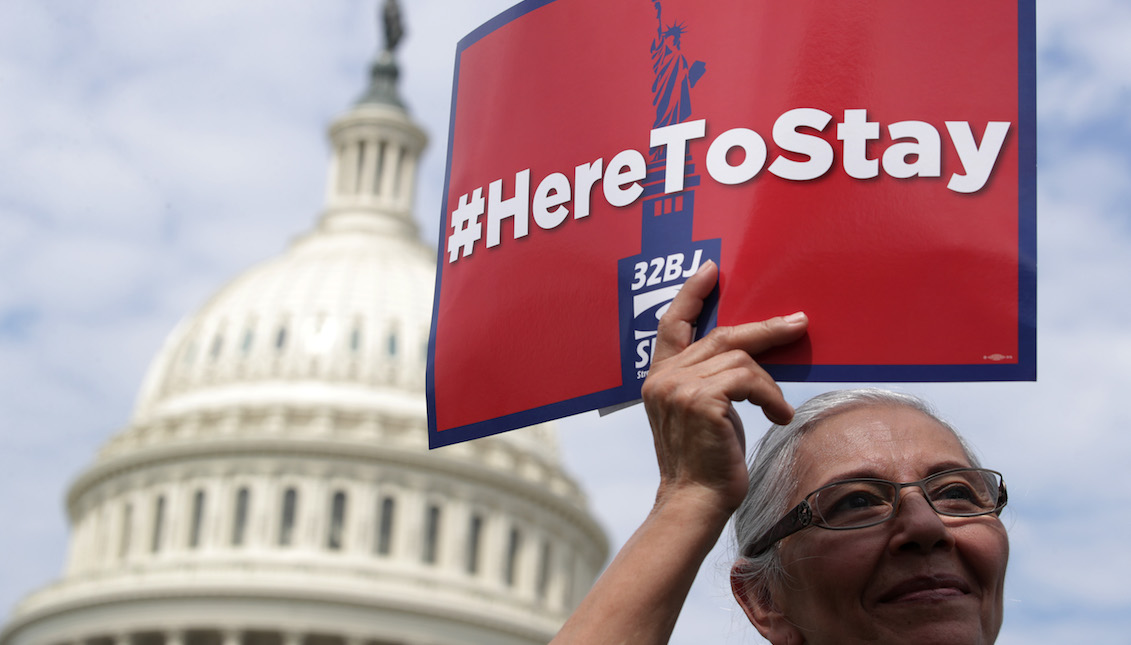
674 78
392 23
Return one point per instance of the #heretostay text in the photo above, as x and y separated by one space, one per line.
915 151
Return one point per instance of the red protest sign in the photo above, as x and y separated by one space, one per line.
872 164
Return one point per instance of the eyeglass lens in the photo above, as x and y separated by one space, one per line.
862 502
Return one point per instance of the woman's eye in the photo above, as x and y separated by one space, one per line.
850 504
858 499
960 497
956 491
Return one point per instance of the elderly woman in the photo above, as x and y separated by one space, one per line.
862 518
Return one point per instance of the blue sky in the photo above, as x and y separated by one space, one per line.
152 151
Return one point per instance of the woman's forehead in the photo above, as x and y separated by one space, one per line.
887 441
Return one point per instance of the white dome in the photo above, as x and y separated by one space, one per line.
349 311
274 485
340 320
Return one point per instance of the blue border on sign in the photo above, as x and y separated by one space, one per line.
1024 369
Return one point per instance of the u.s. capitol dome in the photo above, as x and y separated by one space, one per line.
273 486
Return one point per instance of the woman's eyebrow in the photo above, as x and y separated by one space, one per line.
873 472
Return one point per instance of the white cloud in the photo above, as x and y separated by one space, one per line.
1083 60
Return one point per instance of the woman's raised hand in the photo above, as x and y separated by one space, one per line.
700 446
691 387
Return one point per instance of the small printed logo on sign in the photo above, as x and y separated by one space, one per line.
997 358
652 283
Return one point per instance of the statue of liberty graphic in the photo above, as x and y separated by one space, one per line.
674 78
648 282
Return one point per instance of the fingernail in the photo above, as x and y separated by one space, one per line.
796 318
703 267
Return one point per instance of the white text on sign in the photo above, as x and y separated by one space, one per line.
915 151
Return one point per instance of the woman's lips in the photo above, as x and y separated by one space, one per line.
923 588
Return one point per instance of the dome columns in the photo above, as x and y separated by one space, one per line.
372 175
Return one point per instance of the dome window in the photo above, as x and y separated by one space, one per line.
281 338
239 520
339 169
510 567
158 522
197 519
360 169
391 343
399 171
547 557
474 533
127 529
377 176
147 638
248 339
287 517
385 526
355 339
337 521
431 534
217 346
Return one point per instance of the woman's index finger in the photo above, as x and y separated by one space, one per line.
676 330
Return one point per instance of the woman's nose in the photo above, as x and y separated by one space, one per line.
917 527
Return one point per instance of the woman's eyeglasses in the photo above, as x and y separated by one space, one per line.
863 502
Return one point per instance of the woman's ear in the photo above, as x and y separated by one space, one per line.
756 600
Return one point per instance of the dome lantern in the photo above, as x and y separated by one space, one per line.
376 150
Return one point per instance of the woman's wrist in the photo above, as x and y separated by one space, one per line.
696 512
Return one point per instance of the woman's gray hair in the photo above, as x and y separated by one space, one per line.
773 479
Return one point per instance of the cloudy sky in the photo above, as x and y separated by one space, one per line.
151 151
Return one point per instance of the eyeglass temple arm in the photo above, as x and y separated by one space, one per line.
797 519
1002 496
